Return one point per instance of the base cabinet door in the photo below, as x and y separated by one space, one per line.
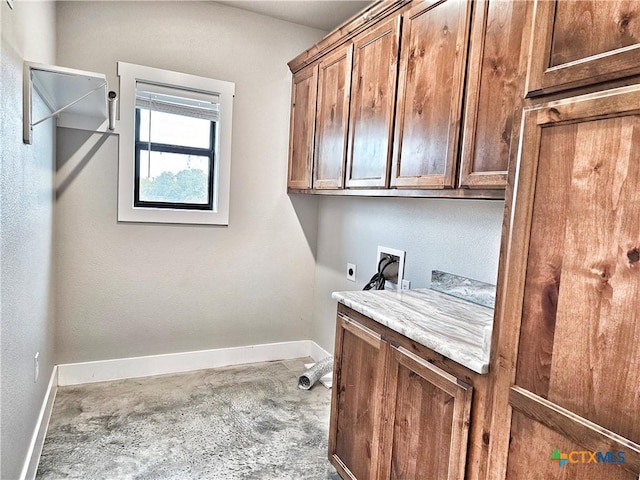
356 408
426 421
570 362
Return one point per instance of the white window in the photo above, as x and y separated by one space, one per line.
175 147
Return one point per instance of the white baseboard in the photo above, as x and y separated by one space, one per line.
121 368
30 467
317 352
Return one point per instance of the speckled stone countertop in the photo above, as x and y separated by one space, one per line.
455 328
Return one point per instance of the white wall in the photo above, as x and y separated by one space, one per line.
139 289
456 236
26 226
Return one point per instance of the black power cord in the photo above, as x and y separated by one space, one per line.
377 281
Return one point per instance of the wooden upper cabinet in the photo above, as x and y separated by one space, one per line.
332 119
583 42
301 135
432 65
375 61
426 421
495 83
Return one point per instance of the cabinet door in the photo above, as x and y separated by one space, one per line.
583 42
375 67
426 421
432 63
360 356
493 103
303 114
332 119
572 295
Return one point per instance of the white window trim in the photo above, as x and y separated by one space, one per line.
129 75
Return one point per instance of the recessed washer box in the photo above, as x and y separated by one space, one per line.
400 256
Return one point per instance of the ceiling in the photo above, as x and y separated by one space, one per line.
321 14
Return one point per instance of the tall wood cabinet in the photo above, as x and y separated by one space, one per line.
570 363
566 362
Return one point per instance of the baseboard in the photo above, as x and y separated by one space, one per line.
135 367
317 352
30 467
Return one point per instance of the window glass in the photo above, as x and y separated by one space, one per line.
175 129
174 178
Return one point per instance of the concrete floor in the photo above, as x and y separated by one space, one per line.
245 422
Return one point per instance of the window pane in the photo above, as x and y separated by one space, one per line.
173 129
174 178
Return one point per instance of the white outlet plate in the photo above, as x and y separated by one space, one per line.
406 284
397 253
351 272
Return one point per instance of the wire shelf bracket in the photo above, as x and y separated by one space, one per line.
78 99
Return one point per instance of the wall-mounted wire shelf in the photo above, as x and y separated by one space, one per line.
77 98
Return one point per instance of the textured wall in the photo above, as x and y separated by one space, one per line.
139 289
456 236
26 226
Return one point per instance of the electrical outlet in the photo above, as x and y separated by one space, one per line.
395 277
351 272
36 367
406 284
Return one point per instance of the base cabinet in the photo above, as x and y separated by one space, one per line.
394 415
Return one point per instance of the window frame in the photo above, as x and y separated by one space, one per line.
128 211
179 149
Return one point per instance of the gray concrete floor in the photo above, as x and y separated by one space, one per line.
245 422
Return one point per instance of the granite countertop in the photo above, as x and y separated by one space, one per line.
458 329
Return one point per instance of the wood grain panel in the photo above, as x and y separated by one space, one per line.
357 391
596 360
582 42
432 64
493 101
427 421
332 119
579 430
533 445
421 429
584 28
301 135
544 266
375 61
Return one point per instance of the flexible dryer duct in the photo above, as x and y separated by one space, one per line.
315 373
